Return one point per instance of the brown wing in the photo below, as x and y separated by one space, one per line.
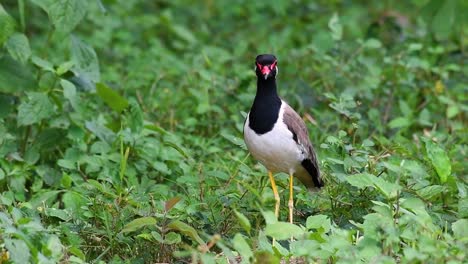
298 128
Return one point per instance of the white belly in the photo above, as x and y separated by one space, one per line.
276 150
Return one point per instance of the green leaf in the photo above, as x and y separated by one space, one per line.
242 247
65 67
73 201
135 116
18 47
243 221
361 180
335 27
54 246
15 77
429 192
102 132
283 230
318 221
184 33
7 25
390 190
373 44
43 64
452 111
400 122
460 229
85 60
186 230
139 223
463 207
69 92
439 159
19 251
111 97
172 238
59 213
65 15
442 24
36 108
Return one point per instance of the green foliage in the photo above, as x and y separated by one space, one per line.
121 131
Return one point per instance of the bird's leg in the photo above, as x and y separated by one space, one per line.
275 192
291 199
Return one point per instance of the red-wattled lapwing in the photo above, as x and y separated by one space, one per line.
277 136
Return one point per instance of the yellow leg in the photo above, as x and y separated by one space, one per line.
291 199
275 192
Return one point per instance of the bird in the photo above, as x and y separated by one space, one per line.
277 136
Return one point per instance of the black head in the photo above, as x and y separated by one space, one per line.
266 66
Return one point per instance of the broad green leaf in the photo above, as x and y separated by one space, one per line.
15 77
243 221
85 60
361 180
67 164
186 230
317 221
283 230
373 44
73 201
439 159
139 223
111 97
55 247
429 192
172 238
418 207
7 25
33 110
442 24
43 64
269 217
242 247
18 47
452 111
390 190
18 251
460 229
400 122
63 215
69 92
65 67
102 132
65 15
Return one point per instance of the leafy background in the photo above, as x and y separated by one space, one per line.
121 131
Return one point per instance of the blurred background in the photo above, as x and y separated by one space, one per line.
119 110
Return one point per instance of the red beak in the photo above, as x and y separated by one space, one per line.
265 70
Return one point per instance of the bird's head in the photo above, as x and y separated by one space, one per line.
265 66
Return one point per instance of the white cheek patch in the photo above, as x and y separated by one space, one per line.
276 68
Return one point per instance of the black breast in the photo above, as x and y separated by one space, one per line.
264 114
